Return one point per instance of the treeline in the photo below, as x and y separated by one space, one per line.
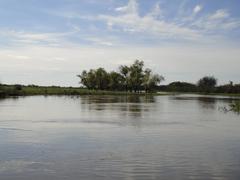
128 79
207 84
133 78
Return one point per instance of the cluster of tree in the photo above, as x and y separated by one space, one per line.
229 88
207 84
133 78
179 87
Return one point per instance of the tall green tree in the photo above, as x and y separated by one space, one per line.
151 81
125 72
83 79
88 79
116 81
136 75
207 84
129 78
102 79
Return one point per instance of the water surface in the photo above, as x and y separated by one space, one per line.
118 137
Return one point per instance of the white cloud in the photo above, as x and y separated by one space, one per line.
47 38
131 8
23 37
197 9
220 20
186 26
20 57
157 11
131 21
99 41
56 59
219 14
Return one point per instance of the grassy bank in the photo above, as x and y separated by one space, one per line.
18 90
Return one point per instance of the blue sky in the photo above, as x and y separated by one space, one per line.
48 42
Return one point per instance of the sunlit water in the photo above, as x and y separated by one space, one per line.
111 137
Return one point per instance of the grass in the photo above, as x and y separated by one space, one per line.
17 90
235 106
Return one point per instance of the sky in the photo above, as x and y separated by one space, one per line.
49 42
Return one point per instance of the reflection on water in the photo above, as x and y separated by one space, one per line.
207 103
117 99
126 104
118 137
212 102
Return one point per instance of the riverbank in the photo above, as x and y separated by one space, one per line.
20 90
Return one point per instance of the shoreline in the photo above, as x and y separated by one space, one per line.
17 90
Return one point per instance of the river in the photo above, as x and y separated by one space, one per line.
118 137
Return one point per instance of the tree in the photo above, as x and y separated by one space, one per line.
88 79
133 78
178 86
102 79
116 81
136 75
150 80
124 71
207 84
91 79
83 78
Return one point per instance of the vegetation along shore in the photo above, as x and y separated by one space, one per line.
127 80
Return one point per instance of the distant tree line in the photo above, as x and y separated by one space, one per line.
207 84
133 78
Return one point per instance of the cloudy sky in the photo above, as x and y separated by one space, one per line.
48 42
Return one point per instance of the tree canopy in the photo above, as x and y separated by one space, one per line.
207 84
132 78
